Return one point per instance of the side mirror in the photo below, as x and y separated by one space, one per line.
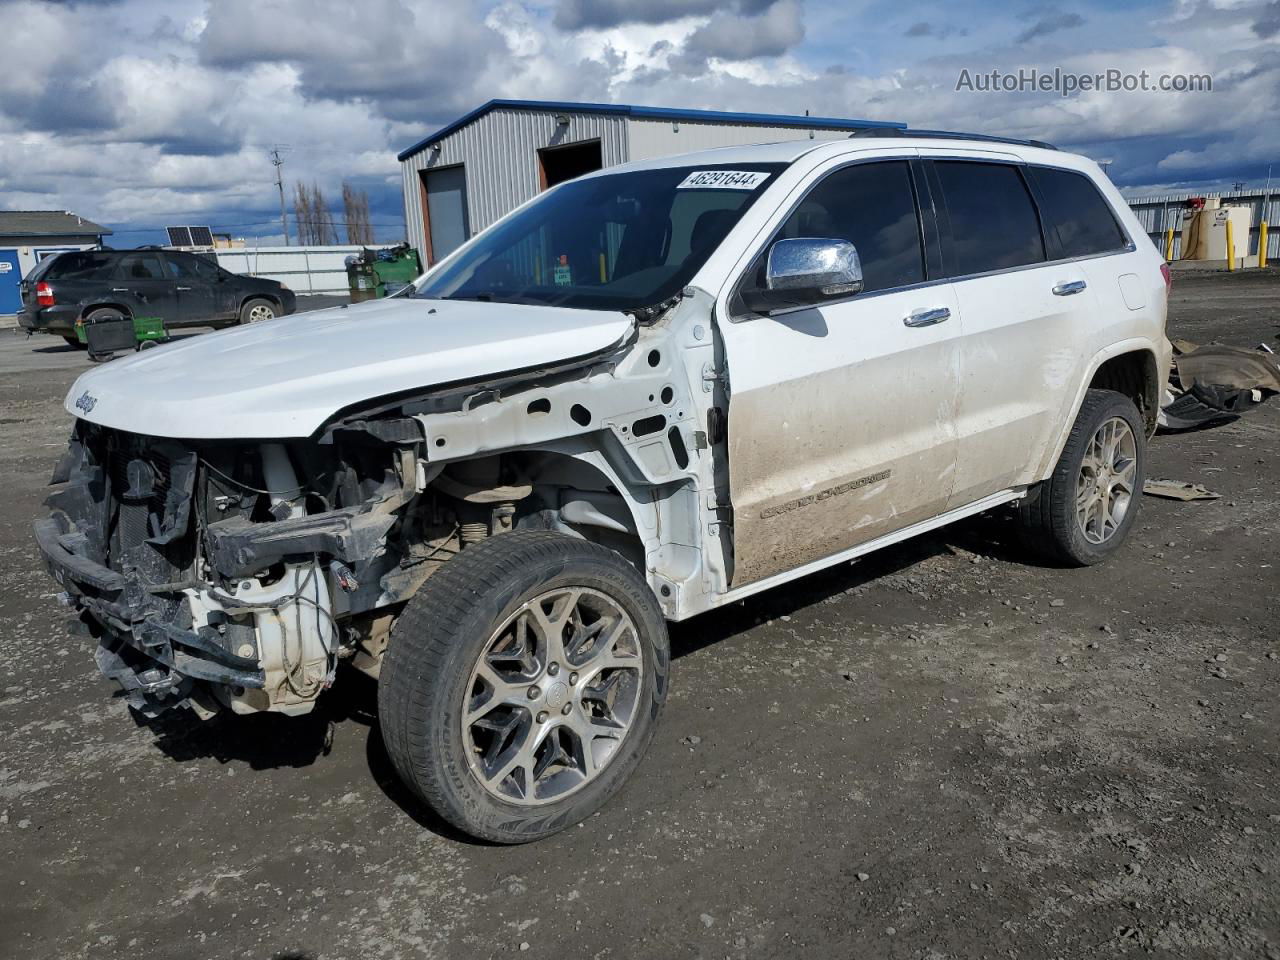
806 270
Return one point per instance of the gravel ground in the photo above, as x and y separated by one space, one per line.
937 751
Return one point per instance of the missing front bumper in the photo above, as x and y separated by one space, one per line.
155 662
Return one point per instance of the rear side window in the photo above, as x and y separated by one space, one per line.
141 266
80 265
1073 206
994 224
873 206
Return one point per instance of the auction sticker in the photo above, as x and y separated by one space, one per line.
723 180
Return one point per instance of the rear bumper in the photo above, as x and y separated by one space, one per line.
56 320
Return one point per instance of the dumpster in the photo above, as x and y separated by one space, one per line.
396 268
362 280
380 273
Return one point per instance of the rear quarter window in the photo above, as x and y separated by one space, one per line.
79 265
1081 216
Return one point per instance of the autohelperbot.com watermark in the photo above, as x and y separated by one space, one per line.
1066 83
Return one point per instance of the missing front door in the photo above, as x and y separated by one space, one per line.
558 164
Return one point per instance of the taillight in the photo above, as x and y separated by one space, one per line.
1168 277
44 294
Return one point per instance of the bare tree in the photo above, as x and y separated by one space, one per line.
355 211
312 217
302 218
325 231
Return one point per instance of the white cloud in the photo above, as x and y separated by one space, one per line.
145 110
730 37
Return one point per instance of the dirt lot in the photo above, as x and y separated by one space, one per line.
939 751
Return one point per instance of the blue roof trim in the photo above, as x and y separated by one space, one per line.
650 113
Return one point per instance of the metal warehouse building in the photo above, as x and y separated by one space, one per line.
473 171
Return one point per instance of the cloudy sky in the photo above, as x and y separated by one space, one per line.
140 113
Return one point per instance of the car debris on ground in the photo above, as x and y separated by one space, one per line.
1178 490
1216 382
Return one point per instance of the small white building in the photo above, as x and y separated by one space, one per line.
471 172
28 236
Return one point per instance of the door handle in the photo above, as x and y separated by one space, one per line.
184 288
119 289
927 318
1067 289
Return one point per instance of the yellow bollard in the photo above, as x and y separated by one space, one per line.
1168 245
1231 247
1262 244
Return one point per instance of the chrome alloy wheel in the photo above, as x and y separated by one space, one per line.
552 696
259 312
1105 486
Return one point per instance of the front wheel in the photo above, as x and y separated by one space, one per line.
523 684
1083 512
255 311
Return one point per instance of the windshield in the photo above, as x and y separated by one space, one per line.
615 242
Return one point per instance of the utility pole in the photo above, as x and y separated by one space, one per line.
278 161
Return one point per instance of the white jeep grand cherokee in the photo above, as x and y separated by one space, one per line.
642 395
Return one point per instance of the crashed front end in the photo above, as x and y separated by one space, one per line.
198 565
233 573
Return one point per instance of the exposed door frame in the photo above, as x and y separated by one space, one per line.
428 256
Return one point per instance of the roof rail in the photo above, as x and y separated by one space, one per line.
949 135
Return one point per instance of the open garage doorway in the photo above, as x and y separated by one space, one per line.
558 164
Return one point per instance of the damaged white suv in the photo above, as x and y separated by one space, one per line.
644 394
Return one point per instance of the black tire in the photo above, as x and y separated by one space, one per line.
426 676
74 341
1048 513
252 311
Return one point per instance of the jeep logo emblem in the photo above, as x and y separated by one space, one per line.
87 402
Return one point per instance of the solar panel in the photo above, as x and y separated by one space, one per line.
190 236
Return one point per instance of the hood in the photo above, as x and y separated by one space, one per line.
286 377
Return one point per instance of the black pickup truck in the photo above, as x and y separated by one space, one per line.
182 289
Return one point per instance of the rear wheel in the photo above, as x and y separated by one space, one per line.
523 684
1083 512
255 311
